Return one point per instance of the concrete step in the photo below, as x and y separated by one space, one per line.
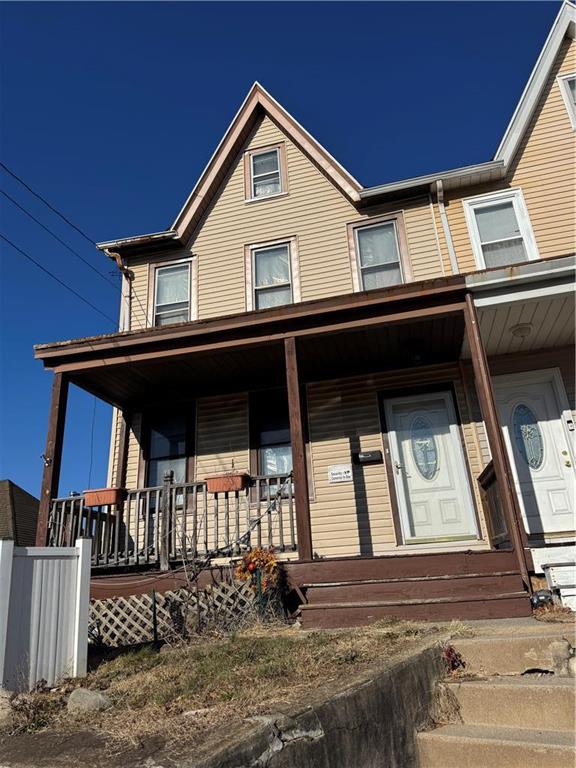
515 654
476 746
353 614
545 703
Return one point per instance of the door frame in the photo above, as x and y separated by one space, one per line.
447 388
551 376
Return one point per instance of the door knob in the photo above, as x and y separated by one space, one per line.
567 463
398 466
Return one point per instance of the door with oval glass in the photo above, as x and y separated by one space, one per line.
536 422
432 488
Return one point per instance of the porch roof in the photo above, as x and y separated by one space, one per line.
388 328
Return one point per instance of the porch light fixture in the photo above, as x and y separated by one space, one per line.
522 330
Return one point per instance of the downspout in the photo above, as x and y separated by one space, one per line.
127 277
446 227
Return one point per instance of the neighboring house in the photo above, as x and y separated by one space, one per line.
405 350
18 514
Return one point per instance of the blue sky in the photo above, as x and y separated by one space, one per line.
111 111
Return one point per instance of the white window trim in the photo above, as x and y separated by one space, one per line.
566 95
192 287
516 196
292 244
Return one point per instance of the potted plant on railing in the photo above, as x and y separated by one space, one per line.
227 482
103 497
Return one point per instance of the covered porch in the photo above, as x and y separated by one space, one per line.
341 500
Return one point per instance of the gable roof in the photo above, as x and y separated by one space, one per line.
563 26
259 102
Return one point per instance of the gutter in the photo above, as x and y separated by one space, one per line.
166 235
493 166
127 278
439 189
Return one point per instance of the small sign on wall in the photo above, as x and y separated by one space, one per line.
340 473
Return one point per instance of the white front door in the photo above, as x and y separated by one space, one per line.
535 420
430 476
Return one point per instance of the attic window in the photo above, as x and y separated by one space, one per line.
265 173
568 88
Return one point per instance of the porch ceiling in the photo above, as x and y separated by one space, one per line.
142 383
526 323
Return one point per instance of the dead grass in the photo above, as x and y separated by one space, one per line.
554 613
187 691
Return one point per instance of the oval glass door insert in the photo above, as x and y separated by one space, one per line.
424 448
528 436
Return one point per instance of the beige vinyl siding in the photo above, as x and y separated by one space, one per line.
133 461
222 435
356 518
313 211
543 168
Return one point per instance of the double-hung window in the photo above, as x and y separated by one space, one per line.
172 294
166 449
376 254
568 88
270 431
271 275
500 229
265 172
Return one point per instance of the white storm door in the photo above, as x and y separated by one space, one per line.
429 468
532 408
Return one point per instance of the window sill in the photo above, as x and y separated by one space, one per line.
250 200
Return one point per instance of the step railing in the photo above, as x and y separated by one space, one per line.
179 522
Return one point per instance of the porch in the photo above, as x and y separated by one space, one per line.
338 506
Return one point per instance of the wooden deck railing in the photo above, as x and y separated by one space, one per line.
492 504
179 522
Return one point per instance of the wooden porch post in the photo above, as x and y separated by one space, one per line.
495 438
299 464
52 455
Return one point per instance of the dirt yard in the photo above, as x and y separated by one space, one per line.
170 702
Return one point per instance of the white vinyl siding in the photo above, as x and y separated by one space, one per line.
500 229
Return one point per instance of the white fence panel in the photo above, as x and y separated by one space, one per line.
44 603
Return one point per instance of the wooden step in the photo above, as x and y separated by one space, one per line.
353 614
367 590
412 565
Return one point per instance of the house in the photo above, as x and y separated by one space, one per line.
18 514
378 382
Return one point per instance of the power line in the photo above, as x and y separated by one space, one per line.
55 236
71 224
52 208
53 276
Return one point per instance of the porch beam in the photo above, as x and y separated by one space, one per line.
52 454
297 440
131 356
495 438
